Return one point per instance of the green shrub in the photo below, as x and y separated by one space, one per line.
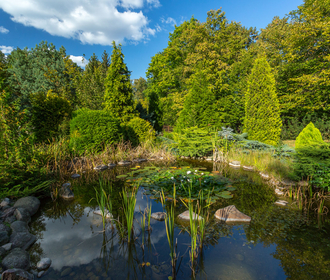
309 136
139 130
193 142
92 130
312 162
49 112
262 112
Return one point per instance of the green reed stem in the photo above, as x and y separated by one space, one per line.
149 216
129 202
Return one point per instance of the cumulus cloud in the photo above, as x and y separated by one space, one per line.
169 20
80 60
91 22
6 49
3 30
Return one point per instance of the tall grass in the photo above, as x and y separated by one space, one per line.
129 202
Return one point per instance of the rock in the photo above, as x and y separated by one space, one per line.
65 191
44 263
16 274
22 240
30 203
41 273
7 246
264 175
19 226
4 238
287 183
108 214
111 165
159 216
75 176
10 219
66 272
101 167
22 214
278 192
209 159
186 216
17 258
281 202
3 252
124 162
235 164
231 214
3 227
248 167
5 202
9 212
303 183
139 160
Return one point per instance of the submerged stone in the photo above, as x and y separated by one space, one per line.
186 216
159 216
108 215
231 214
75 176
101 167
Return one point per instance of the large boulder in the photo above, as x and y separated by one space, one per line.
186 216
22 214
22 240
17 274
17 258
19 226
159 216
4 238
30 203
231 214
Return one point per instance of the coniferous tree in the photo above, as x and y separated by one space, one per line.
118 97
262 113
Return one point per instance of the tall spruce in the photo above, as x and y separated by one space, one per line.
262 113
118 97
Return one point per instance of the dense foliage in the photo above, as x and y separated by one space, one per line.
142 131
309 136
92 130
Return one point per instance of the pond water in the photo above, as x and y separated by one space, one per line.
279 242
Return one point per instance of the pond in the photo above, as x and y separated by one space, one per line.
278 243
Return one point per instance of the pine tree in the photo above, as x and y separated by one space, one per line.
262 113
118 97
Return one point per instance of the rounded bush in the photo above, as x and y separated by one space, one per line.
92 130
309 136
139 130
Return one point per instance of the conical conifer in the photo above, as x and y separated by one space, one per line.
262 113
118 97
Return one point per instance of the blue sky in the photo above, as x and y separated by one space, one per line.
142 26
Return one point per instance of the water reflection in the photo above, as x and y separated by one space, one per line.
279 243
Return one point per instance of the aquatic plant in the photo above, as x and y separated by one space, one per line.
149 217
129 201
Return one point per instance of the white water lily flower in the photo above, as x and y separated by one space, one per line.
196 170
202 173
188 172
188 180
172 178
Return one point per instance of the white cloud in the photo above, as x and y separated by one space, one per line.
158 28
91 22
80 60
169 20
3 30
6 49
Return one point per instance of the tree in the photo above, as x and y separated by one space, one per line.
118 97
262 113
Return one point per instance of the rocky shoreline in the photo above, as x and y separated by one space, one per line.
16 239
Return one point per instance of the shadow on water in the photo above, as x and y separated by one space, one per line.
279 242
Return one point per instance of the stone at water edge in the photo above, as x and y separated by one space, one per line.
22 240
235 164
19 226
5 202
17 258
231 214
264 175
17 274
108 214
288 183
111 165
139 160
44 263
186 216
23 215
31 203
278 192
4 238
65 191
7 246
281 202
101 167
75 176
248 167
124 162
159 216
